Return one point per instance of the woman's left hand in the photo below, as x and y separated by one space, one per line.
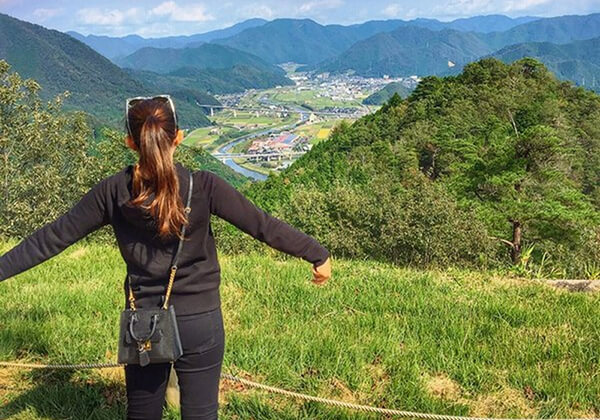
322 273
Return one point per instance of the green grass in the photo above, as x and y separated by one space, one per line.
447 342
312 98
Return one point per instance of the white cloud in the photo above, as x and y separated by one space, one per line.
115 17
258 11
168 11
392 10
464 8
311 6
43 14
176 13
517 6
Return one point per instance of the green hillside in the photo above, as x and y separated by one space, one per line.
578 61
408 51
383 95
426 50
206 56
499 165
60 63
70 149
558 30
457 342
216 81
308 42
302 40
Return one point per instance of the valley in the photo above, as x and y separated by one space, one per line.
260 131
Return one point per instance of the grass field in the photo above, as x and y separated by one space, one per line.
312 98
318 131
453 342
200 137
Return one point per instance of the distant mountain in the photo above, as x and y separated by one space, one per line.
301 40
558 30
114 47
409 50
383 95
578 61
216 81
306 41
206 56
59 63
483 24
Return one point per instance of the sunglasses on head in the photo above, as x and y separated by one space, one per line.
131 102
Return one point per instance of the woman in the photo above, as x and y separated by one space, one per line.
144 205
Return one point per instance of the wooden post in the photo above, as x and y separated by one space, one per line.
172 396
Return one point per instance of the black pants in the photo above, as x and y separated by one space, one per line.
198 372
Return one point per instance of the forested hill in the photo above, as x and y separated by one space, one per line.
578 61
302 40
206 56
498 165
308 42
558 30
384 95
216 81
61 63
436 50
409 50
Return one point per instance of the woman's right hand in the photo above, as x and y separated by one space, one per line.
322 273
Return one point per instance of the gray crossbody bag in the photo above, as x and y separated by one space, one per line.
151 335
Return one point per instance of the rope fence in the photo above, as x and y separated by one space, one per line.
281 391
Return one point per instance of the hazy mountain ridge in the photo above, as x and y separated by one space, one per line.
308 42
408 50
115 47
392 53
578 61
205 56
61 63
211 67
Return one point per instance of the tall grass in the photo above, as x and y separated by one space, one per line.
456 342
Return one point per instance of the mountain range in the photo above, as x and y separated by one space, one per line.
118 47
308 42
61 63
417 50
206 56
578 61
374 48
245 55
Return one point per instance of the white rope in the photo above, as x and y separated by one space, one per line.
275 390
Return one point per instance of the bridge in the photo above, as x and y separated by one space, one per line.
278 155
281 109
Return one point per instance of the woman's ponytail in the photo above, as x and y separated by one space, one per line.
155 173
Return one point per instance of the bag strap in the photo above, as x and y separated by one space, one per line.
187 210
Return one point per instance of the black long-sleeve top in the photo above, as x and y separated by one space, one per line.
148 258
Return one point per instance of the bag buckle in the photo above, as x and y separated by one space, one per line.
144 346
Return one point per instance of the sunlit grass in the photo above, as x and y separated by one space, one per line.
445 342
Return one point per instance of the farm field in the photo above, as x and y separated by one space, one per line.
452 342
318 131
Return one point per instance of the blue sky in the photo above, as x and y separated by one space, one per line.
184 17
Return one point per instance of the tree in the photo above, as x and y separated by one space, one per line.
43 151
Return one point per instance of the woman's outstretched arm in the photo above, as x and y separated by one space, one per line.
229 204
89 214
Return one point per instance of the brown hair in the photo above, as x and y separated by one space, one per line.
153 130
